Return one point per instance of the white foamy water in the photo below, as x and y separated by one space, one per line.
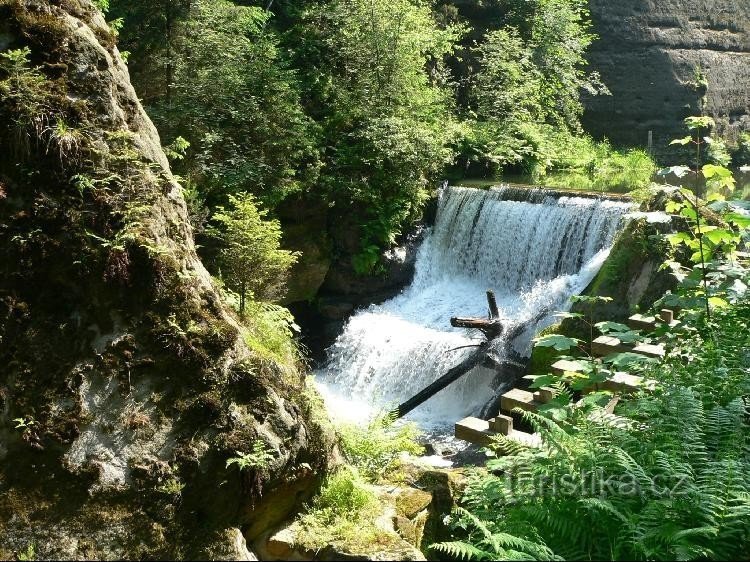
534 253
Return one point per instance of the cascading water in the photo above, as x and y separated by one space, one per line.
532 248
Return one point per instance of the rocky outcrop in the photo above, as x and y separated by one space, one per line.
127 383
656 57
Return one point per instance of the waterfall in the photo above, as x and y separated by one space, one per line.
532 247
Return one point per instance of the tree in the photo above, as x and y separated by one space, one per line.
229 92
252 263
375 82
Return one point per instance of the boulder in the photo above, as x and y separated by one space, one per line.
131 375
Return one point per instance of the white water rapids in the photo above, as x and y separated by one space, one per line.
534 253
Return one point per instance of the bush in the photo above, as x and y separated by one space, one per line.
375 448
343 514
252 263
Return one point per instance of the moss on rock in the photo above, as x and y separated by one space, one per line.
123 360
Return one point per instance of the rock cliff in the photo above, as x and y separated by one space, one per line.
656 56
127 383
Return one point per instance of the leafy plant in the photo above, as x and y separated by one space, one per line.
24 422
252 263
29 553
376 447
706 243
259 457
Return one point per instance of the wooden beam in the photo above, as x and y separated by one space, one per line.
451 376
492 304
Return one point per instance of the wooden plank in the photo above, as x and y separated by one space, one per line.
650 350
474 431
604 345
478 432
563 365
544 395
642 322
502 424
517 398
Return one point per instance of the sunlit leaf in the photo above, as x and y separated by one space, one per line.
557 341
605 327
683 141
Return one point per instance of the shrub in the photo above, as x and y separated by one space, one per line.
343 514
252 263
375 448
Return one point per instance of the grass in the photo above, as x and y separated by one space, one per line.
343 515
579 163
584 164
377 447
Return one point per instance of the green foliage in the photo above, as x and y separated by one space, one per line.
212 73
671 480
668 476
343 514
172 487
103 5
706 278
25 92
28 554
377 447
259 457
526 94
252 264
270 332
385 121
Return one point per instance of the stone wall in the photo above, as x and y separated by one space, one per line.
649 53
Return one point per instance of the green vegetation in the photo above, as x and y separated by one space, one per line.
376 448
252 264
258 458
363 105
344 514
667 476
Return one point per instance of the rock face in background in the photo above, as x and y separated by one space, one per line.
127 383
651 54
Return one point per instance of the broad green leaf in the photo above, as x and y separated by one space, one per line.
689 213
673 206
678 238
714 171
569 315
717 302
720 236
699 123
683 141
557 341
702 229
622 360
605 327
544 380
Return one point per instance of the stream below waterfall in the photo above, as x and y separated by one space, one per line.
532 247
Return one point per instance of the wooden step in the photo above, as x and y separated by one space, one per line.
478 432
517 398
642 322
606 345
502 424
650 323
474 431
544 395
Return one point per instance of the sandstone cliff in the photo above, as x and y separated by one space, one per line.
126 381
654 54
